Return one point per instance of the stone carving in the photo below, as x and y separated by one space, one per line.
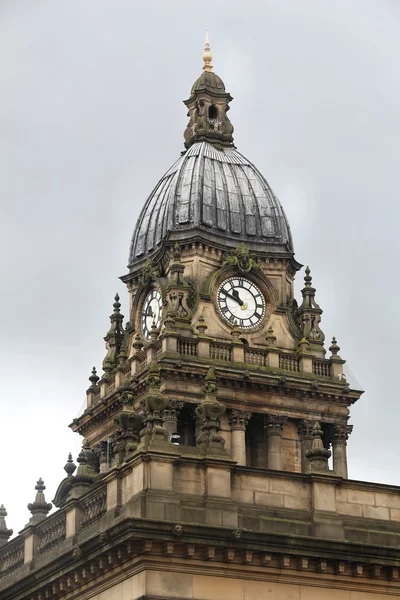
114 338
77 553
39 508
179 301
309 313
340 434
209 413
241 258
177 530
275 424
239 419
172 411
305 429
4 532
153 405
201 325
149 270
318 455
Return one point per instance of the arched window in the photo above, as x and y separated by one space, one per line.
212 112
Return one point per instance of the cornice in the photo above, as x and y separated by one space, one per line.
131 545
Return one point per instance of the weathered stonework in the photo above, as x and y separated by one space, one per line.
204 472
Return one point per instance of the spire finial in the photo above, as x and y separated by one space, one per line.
39 508
308 278
70 467
207 56
94 378
4 532
318 455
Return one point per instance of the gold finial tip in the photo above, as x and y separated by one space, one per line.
207 56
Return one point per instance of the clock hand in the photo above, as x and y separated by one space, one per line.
234 296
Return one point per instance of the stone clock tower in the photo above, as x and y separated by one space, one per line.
205 471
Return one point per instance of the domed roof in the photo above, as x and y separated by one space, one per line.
213 195
208 80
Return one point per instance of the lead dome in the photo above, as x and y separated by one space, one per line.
212 193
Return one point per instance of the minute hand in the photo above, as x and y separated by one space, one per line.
236 298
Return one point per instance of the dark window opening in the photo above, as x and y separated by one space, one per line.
212 112
256 442
187 426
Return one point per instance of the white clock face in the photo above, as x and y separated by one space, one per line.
151 312
240 301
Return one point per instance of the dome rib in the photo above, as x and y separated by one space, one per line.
216 195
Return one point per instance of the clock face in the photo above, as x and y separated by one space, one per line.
151 311
241 301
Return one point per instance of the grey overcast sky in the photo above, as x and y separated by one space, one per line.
91 115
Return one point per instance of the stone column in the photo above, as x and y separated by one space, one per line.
340 435
170 417
238 421
305 429
274 433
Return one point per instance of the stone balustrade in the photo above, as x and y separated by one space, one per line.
11 556
224 352
94 506
52 533
211 492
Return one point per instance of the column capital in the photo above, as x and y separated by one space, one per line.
275 424
239 419
305 429
340 433
172 411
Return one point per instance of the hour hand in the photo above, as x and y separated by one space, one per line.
234 296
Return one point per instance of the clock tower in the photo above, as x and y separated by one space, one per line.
210 281
214 458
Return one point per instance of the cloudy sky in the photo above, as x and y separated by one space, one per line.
91 115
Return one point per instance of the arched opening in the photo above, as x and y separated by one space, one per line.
212 112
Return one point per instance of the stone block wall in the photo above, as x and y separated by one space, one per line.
177 585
